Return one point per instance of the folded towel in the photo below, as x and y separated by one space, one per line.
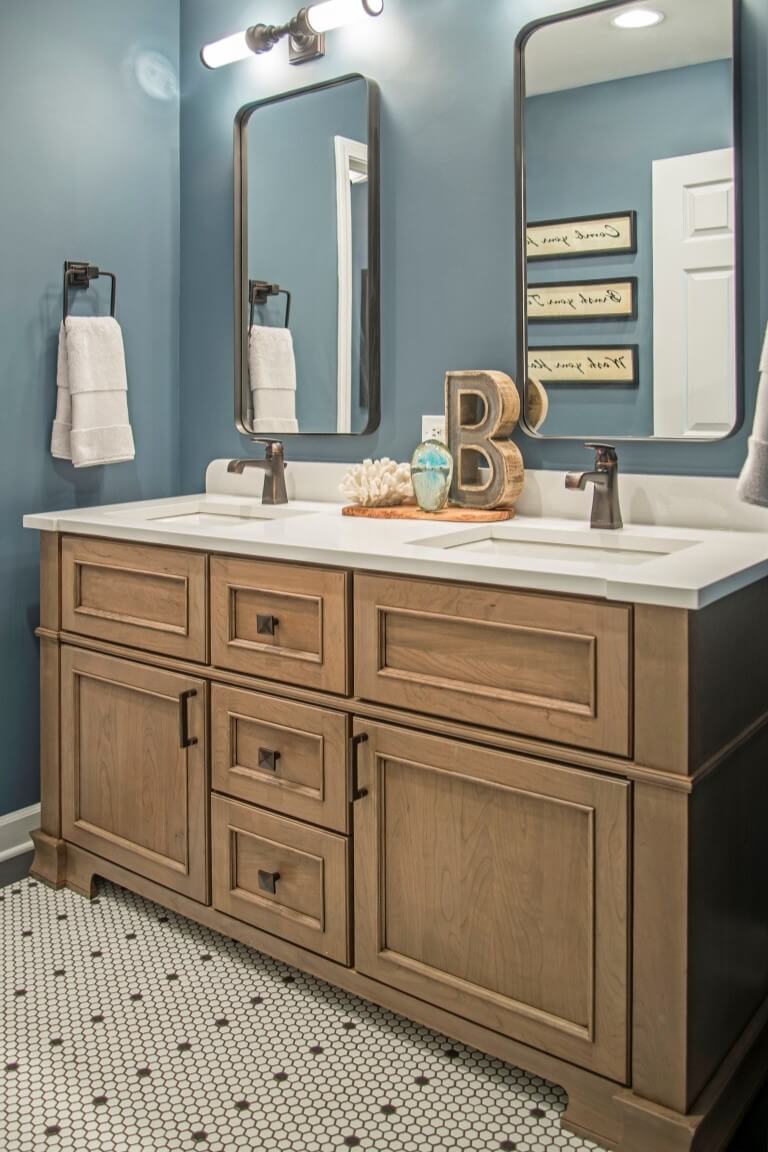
753 483
92 424
272 372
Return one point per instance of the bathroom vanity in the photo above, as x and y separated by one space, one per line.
508 781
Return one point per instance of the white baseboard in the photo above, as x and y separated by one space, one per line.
15 829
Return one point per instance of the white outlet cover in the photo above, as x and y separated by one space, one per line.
433 428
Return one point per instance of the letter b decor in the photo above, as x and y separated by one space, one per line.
481 411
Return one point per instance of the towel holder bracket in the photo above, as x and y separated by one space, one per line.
79 274
259 292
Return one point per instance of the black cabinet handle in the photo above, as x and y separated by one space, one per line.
268 759
185 740
268 881
266 625
355 742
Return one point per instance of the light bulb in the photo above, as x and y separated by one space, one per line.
638 18
333 13
226 51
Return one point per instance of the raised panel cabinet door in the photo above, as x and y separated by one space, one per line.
147 597
496 887
133 765
289 757
283 622
281 876
553 667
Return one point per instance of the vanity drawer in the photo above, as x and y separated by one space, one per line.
284 622
143 596
284 877
291 758
555 668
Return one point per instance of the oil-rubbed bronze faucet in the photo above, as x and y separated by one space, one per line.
274 471
606 512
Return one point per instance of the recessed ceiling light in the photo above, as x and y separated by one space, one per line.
638 18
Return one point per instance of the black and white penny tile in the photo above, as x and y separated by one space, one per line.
126 1027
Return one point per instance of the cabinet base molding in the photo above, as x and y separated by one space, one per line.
49 864
598 1109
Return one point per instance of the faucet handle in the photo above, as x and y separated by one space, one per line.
272 446
604 453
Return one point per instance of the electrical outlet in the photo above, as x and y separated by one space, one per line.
433 428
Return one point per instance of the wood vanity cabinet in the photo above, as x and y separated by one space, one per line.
533 822
496 886
133 767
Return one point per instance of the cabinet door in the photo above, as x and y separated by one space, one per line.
133 748
496 887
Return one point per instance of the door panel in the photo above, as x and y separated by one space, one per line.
130 791
694 288
496 887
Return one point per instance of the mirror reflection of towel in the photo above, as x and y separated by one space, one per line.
753 483
272 372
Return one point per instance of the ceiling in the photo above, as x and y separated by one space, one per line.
590 49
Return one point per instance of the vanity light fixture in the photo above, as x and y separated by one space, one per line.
639 18
305 32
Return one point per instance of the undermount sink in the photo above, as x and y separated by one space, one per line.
586 547
207 513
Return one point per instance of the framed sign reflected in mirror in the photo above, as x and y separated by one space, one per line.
628 188
307 261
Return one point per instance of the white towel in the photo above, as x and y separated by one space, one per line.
92 424
753 482
272 372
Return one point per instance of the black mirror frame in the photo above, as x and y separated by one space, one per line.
241 305
521 219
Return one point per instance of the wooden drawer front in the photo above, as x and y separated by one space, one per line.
289 757
496 887
309 870
280 621
147 597
544 666
131 792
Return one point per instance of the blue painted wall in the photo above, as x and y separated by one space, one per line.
292 230
592 150
447 197
90 170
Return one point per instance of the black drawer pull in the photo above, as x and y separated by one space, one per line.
268 759
266 625
268 881
355 793
185 740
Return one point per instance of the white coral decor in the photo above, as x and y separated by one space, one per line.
378 483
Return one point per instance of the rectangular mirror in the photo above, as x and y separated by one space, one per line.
628 171
307 261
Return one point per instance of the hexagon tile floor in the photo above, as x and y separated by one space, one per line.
127 1027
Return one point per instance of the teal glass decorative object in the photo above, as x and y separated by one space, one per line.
431 475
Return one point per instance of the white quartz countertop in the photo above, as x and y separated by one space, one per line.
672 566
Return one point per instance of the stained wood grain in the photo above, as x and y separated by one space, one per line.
149 597
546 666
308 644
309 747
446 515
129 791
498 888
310 902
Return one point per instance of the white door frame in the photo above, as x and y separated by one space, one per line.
351 158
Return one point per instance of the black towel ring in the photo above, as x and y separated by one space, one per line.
78 274
258 293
